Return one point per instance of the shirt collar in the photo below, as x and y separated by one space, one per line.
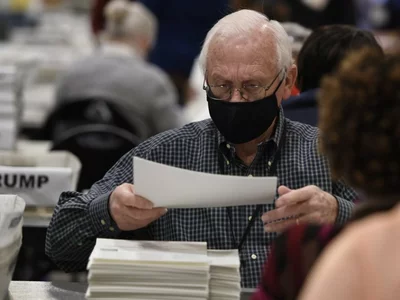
276 138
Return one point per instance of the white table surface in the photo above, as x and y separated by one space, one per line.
37 220
26 290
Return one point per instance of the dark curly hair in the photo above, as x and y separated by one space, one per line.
360 122
325 48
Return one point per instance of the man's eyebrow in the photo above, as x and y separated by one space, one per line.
216 75
219 77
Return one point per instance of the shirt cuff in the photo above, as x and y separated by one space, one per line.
345 210
103 224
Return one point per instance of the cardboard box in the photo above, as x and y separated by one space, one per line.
38 179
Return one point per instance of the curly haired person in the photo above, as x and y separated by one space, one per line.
360 129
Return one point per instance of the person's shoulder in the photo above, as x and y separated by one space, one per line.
305 99
372 229
79 64
88 67
153 72
153 79
179 137
304 131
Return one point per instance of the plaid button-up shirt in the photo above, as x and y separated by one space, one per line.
79 219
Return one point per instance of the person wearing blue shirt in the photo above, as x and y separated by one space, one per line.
183 26
321 54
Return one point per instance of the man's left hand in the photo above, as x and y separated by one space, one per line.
306 205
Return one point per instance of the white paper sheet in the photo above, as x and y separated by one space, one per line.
172 187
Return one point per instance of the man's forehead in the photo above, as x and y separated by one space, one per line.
242 49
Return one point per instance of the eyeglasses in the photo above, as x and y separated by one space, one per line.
247 91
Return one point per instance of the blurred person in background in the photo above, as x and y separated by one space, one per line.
119 74
18 13
298 35
360 120
321 54
359 111
183 25
312 13
362 263
378 14
97 17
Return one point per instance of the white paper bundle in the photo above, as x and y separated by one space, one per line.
224 274
8 133
148 270
11 220
10 108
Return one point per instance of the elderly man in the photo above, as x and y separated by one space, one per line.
248 71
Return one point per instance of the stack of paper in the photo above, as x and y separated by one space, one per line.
10 108
11 220
224 274
148 270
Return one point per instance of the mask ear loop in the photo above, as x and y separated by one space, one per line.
282 80
280 83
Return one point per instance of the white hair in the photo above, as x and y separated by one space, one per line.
244 23
130 19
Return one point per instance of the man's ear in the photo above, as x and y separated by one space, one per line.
290 81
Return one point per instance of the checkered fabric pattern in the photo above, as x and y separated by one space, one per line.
79 219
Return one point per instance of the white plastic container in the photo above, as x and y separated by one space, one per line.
11 219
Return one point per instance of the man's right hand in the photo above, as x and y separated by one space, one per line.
130 211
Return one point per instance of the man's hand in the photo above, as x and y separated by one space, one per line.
306 205
132 212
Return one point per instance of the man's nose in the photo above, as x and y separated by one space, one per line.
236 96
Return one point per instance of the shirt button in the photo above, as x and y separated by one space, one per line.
249 175
111 228
253 256
250 217
227 162
228 146
103 222
269 163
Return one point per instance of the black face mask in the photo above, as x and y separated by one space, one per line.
242 122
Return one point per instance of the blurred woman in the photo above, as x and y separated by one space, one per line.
359 120
183 28
119 74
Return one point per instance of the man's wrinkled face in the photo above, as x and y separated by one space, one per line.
240 61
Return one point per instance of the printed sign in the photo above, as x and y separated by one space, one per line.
38 186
